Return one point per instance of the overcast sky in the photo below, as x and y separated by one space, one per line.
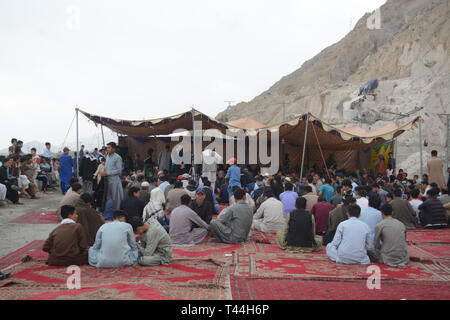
149 59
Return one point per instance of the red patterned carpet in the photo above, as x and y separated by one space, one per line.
33 249
244 288
256 269
428 236
37 217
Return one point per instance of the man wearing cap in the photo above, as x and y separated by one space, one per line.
145 192
65 170
202 206
234 176
112 172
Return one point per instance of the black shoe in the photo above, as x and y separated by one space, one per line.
4 275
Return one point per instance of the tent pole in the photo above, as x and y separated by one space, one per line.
321 153
193 143
420 146
304 145
77 156
103 136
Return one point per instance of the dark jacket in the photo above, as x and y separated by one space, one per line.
432 213
300 229
133 206
205 211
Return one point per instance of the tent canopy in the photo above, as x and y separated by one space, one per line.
292 131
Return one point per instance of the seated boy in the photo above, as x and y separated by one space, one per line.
155 247
67 244
299 233
115 245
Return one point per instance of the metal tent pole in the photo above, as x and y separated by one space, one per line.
78 150
103 136
193 145
304 145
420 147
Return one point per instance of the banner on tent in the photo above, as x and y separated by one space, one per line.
386 148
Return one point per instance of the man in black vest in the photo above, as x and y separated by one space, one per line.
299 233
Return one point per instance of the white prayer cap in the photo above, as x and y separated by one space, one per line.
145 184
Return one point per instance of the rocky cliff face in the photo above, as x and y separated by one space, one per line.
409 55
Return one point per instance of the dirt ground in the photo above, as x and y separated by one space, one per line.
14 236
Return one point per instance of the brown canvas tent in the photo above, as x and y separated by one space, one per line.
349 147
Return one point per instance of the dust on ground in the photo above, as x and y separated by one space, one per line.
14 236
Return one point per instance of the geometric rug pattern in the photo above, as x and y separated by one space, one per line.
257 269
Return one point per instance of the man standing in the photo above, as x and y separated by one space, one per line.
12 148
390 246
112 172
234 176
47 152
65 170
210 161
391 164
436 170
351 241
164 159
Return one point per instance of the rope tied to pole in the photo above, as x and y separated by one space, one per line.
320 149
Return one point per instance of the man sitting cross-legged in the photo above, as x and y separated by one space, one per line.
390 246
270 215
336 216
351 241
88 217
67 244
234 223
202 206
299 233
115 245
155 247
182 221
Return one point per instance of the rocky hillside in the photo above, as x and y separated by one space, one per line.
409 55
